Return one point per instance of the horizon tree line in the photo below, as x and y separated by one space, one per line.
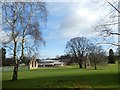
79 47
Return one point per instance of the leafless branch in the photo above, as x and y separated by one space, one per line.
113 6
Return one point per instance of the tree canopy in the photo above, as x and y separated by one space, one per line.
78 47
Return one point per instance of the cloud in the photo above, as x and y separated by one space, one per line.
79 23
74 18
67 20
3 36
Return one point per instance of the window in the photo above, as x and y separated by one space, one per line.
35 63
32 63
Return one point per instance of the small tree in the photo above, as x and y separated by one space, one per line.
111 58
97 55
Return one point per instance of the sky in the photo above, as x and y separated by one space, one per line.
67 20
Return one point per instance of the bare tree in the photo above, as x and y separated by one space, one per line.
21 20
31 26
10 20
109 25
97 55
78 47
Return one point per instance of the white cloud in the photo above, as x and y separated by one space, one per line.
79 23
78 18
73 19
3 36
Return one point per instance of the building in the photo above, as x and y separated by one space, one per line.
33 64
51 63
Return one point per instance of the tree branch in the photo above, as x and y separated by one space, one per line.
115 33
113 6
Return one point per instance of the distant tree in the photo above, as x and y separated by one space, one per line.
66 58
57 57
97 55
78 47
3 56
111 58
9 61
97 59
119 53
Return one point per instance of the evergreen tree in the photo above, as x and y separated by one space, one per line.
2 56
111 58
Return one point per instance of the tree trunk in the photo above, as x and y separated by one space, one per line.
85 66
15 73
14 55
95 66
22 53
80 65
15 70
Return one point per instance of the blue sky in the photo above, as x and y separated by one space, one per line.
67 20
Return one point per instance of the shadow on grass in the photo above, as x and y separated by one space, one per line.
62 89
62 82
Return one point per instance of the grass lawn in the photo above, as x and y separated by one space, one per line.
64 77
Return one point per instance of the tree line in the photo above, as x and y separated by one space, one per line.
80 47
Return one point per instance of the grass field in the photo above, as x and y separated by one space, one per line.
64 77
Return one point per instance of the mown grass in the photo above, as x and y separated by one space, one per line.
64 77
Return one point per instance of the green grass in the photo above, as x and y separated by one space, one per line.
64 77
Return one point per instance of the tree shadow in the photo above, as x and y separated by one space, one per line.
68 81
